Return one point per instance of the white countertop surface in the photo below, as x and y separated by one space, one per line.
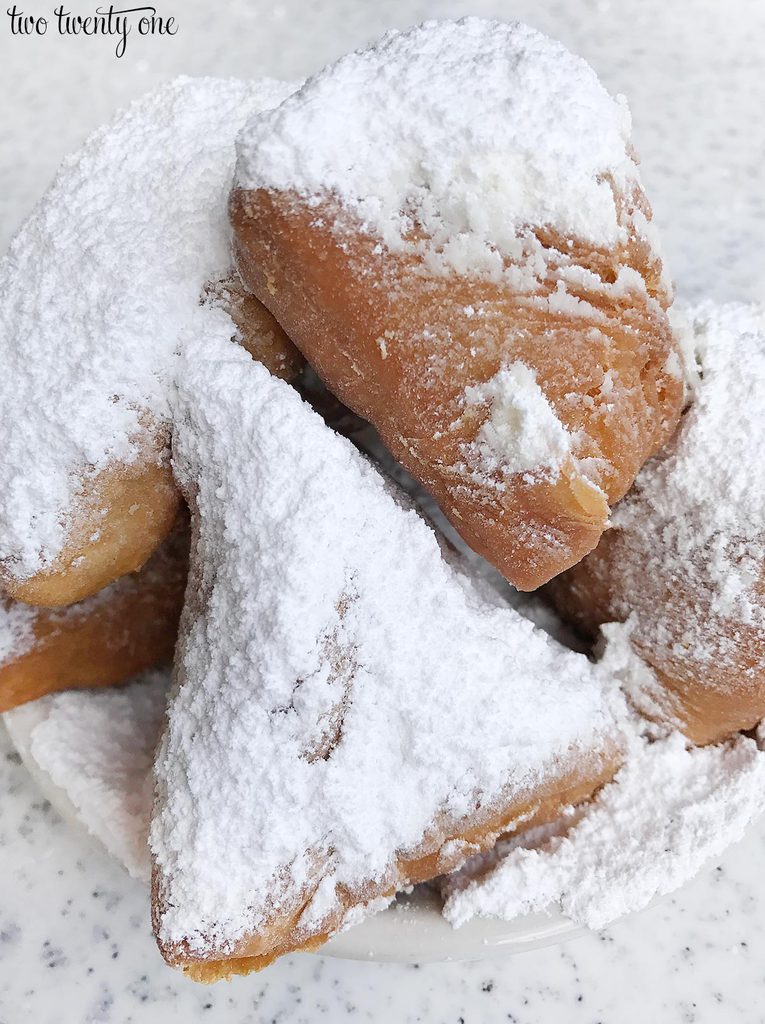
75 941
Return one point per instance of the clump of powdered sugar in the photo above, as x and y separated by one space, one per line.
669 811
466 132
522 431
97 747
697 511
17 629
94 291
658 706
342 686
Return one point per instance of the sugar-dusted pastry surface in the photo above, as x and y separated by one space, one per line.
685 560
451 227
669 810
97 748
94 292
125 628
354 713
119 518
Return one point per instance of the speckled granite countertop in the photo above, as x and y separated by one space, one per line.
75 942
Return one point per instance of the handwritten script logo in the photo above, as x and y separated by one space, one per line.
107 21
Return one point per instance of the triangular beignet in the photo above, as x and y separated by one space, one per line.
352 713
450 226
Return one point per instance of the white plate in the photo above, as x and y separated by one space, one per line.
411 931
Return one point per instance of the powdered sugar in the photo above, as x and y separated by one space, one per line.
669 811
704 496
342 687
465 132
97 746
17 633
522 431
659 706
94 292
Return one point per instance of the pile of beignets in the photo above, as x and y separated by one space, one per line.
384 339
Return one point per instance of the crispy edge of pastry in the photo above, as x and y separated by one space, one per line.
337 292
590 770
107 639
708 700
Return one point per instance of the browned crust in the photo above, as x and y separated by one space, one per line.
283 934
108 638
259 333
708 698
337 293
123 515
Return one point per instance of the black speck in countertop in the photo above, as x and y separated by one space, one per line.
140 989
52 956
109 899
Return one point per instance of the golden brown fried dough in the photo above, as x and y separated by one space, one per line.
126 628
685 561
451 227
126 512
337 300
